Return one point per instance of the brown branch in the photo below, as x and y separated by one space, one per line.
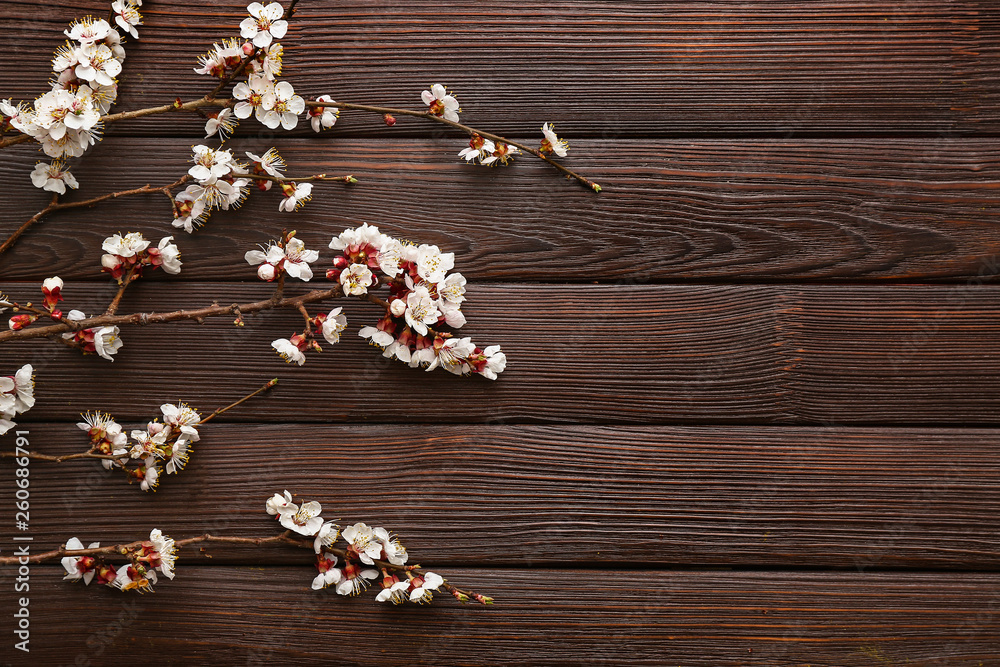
89 454
349 178
246 398
54 206
286 537
58 459
465 128
124 549
156 318
129 277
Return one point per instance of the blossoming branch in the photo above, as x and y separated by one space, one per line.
160 446
70 117
348 559
421 294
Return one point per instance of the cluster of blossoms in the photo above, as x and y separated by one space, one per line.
103 341
125 258
157 554
271 101
369 554
167 444
17 396
220 184
421 294
66 120
131 253
223 182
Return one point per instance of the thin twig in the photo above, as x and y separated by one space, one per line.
349 178
246 398
90 453
286 537
157 318
129 277
55 205
465 128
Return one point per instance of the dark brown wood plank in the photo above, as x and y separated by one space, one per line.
542 617
577 353
579 496
597 69
681 353
717 210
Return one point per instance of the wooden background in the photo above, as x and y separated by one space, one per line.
751 410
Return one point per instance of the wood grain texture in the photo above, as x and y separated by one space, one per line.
596 69
671 210
532 496
214 615
577 353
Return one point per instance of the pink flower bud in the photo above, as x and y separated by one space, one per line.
389 119
18 322
247 48
266 272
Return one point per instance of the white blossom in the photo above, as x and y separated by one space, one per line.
256 96
432 264
167 550
96 63
333 325
88 30
394 551
127 16
264 24
376 336
496 362
362 538
53 177
280 504
287 107
425 592
397 593
125 246
107 342
323 118
355 581
72 564
305 520
288 351
329 574
271 163
356 279
452 288
552 143
191 204
221 123
421 309
364 235
295 196
210 164
326 537
271 67
440 103
169 255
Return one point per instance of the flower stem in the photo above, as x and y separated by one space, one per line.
465 128
55 205
129 277
349 178
90 454
156 318
246 398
